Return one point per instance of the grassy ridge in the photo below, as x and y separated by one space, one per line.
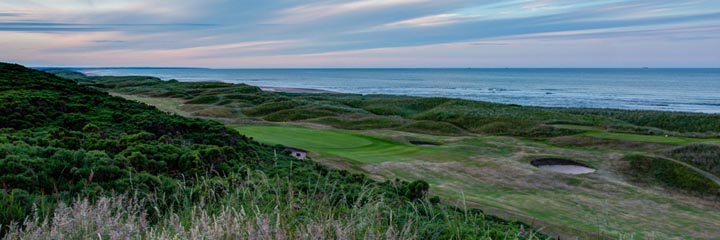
672 174
703 156
429 115
60 141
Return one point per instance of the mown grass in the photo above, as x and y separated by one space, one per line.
356 147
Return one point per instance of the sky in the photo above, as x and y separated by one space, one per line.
365 33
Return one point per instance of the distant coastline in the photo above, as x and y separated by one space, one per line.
683 90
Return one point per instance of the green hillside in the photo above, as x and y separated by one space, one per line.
478 154
86 161
443 116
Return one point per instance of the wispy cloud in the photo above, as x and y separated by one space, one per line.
429 21
240 33
318 11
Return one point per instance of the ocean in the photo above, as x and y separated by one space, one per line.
687 90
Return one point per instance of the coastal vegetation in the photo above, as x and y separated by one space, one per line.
651 181
704 156
670 173
78 163
444 116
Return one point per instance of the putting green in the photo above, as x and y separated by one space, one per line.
356 147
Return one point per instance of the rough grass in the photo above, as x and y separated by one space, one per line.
204 100
669 173
258 207
270 107
432 127
296 114
358 122
215 112
600 143
703 156
649 138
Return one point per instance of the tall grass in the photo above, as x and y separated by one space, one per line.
258 207
704 156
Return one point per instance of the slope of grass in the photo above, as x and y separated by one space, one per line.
402 112
645 169
701 155
633 137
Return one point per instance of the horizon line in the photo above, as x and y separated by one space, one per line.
350 68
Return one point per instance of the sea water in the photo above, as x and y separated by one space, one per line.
689 90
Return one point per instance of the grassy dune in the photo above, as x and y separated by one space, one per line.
597 132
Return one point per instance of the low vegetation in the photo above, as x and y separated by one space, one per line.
703 156
253 205
443 116
647 169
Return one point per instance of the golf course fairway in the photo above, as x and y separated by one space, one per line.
356 147
494 173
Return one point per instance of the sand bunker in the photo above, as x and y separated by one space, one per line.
421 143
562 166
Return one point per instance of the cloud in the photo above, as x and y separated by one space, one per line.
75 27
428 21
2 14
228 33
318 11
